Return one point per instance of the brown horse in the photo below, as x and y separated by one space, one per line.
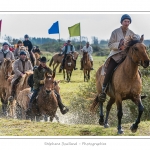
69 66
47 101
57 59
23 99
5 72
125 84
86 66
23 83
37 56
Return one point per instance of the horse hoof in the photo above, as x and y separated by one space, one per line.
106 125
101 122
120 131
133 128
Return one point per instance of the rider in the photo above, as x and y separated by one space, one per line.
88 49
38 79
36 50
66 50
28 44
20 48
6 53
20 67
117 54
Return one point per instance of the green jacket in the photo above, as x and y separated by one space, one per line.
39 75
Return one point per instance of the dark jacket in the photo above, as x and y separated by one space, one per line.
39 75
29 44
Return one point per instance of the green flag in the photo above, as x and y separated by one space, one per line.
74 30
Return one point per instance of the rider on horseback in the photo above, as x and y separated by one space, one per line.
38 79
117 54
6 53
88 49
20 67
66 50
28 44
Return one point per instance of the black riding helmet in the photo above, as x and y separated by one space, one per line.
26 36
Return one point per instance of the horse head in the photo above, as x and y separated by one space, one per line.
49 82
7 68
69 59
137 51
85 57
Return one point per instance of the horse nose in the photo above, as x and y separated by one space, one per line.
48 91
146 63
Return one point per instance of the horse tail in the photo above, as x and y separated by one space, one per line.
94 105
51 62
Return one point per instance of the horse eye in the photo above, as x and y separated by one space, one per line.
136 48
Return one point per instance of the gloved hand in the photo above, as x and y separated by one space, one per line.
121 44
42 81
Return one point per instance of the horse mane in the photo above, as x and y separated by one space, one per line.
129 41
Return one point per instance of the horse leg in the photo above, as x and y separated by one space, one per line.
108 107
57 118
56 67
64 73
134 126
101 120
119 113
89 74
84 75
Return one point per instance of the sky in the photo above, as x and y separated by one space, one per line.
98 25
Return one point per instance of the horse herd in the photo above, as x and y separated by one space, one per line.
125 84
18 107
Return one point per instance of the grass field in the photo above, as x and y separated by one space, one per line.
14 127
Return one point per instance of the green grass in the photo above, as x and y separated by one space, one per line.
14 127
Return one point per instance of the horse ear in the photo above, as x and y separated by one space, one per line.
53 74
46 75
142 38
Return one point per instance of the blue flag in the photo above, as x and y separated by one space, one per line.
54 29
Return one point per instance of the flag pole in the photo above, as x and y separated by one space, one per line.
0 27
80 37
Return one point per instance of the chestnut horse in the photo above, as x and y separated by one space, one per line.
37 56
69 66
5 72
125 83
47 101
57 59
86 66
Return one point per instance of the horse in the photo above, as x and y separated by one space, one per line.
37 56
86 66
69 66
125 84
57 59
23 100
23 83
46 102
5 72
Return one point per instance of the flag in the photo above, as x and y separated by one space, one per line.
54 29
74 30
0 27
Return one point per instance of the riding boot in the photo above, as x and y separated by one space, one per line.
13 89
81 64
33 98
102 95
75 65
92 65
62 108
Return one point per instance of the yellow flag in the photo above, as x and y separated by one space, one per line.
74 30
